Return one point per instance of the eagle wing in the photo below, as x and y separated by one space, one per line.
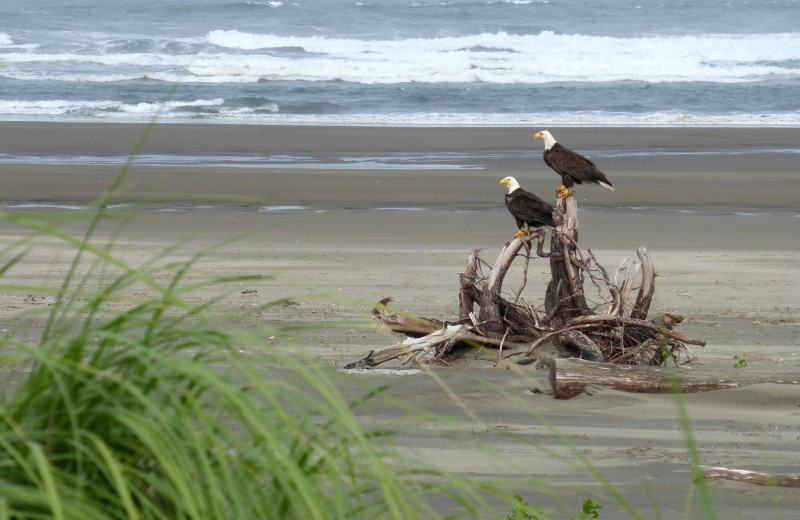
529 208
566 162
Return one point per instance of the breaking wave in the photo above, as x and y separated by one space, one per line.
231 56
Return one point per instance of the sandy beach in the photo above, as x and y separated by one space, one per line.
344 216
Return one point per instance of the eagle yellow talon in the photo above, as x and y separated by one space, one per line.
519 233
563 192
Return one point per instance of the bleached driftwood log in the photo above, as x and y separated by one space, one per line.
751 477
569 377
422 350
431 347
428 340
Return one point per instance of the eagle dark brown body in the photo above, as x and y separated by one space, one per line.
527 208
573 167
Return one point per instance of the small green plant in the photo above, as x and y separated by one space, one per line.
589 510
523 510
742 363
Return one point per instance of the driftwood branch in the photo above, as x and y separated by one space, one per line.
569 377
493 308
404 324
466 301
422 350
622 321
432 347
591 322
565 298
428 340
616 331
631 270
581 344
642 304
751 477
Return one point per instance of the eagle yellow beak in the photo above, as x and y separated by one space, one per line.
503 181
538 136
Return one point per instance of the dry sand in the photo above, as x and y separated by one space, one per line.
396 211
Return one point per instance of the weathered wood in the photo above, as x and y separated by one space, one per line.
623 321
466 302
645 296
591 322
565 298
410 326
524 323
577 330
580 343
432 346
632 268
422 349
751 477
570 376
496 311
491 314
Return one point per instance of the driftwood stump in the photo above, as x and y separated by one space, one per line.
615 330
565 299
611 326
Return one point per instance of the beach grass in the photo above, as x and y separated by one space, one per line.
137 401
134 402
141 404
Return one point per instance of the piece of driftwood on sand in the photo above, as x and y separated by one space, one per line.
751 477
428 340
570 377
611 326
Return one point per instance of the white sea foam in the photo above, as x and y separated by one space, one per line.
383 371
268 209
489 57
151 108
508 58
6 42
60 107
71 207
116 110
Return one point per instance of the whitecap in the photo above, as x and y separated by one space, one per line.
382 371
63 107
267 209
69 207
248 57
718 58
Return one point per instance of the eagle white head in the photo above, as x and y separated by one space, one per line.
511 182
549 140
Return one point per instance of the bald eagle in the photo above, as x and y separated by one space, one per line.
573 167
527 208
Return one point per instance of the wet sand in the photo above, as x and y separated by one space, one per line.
364 213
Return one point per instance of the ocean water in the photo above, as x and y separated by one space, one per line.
406 62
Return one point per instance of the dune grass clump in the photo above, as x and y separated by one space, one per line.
136 403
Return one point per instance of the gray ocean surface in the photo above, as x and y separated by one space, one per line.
404 62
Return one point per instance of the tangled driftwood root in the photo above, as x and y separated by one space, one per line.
611 326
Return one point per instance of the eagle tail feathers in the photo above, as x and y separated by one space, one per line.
606 185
